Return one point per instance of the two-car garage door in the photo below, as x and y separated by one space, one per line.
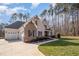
10 35
13 34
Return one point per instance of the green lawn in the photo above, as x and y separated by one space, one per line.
62 47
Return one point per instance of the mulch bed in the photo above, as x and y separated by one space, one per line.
40 40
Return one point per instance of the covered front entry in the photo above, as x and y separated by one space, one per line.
46 33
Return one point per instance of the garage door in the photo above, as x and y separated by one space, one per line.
12 36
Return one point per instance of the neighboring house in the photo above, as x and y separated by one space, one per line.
26 31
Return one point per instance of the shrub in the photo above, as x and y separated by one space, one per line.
58 35
40 39
53 36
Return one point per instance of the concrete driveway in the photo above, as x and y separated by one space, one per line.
18 48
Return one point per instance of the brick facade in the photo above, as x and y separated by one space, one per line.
29 27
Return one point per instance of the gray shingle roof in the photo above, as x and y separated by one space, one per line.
15 25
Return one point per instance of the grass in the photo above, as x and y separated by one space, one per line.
71 37
62 47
